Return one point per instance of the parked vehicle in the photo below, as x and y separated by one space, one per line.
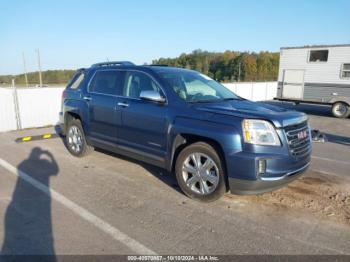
316 74
187 123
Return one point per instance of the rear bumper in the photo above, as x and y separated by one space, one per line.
264 184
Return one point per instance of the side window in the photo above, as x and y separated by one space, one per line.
345 70
76 80
109 82
136 82
318 56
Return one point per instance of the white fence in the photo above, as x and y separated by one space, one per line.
254 91
37 107
7 110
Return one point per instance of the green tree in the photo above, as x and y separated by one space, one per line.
230 65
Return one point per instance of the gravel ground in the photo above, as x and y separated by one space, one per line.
325 196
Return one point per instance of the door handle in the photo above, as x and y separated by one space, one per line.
123 104
87 98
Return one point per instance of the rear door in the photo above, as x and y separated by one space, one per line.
293 84
104 116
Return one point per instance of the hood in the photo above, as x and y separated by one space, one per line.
256 110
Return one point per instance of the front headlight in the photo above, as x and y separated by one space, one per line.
259 132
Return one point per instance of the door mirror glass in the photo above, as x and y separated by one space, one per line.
152 95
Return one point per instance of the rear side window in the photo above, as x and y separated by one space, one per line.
109 82
76 80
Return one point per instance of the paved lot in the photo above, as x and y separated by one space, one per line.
107 204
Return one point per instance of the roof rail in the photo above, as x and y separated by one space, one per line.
114 63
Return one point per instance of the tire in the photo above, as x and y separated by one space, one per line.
340 110
193 183
75 139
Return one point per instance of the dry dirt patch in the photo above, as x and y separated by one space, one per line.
327 196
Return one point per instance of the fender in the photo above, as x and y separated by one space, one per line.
340 99
80 108
226 136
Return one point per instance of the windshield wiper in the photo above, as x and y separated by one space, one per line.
232 98
216 100
204 101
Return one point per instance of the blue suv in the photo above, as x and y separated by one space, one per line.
181 120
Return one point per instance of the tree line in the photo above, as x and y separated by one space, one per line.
229 66
49 77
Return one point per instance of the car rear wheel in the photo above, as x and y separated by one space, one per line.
340 110
76 140
200 173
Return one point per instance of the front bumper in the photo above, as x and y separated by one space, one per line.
264 184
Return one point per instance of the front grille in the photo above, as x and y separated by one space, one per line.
298 145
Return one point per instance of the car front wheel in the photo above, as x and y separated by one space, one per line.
200 173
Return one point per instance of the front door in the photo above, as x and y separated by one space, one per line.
293 84
104 115
144 123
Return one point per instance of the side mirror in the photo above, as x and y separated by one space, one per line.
152 95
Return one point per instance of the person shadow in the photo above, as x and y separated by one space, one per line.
28 219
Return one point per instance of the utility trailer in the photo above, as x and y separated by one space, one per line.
316 74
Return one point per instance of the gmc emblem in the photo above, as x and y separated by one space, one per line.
302 134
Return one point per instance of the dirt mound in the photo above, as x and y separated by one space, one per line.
323 195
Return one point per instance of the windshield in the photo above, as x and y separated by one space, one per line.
194 87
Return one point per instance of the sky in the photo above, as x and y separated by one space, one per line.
77 33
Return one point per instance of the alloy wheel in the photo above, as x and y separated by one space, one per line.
75 139
200 173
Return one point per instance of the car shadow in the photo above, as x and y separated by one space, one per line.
28 219
342 140
311 109
162 174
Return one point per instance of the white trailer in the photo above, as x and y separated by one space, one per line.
316 74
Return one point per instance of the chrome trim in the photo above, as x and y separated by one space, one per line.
87 98
102 141
114 63
154 144
296 131
152 95
299 153
285 175
296 142
122 104
298 148
141 153
294 121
